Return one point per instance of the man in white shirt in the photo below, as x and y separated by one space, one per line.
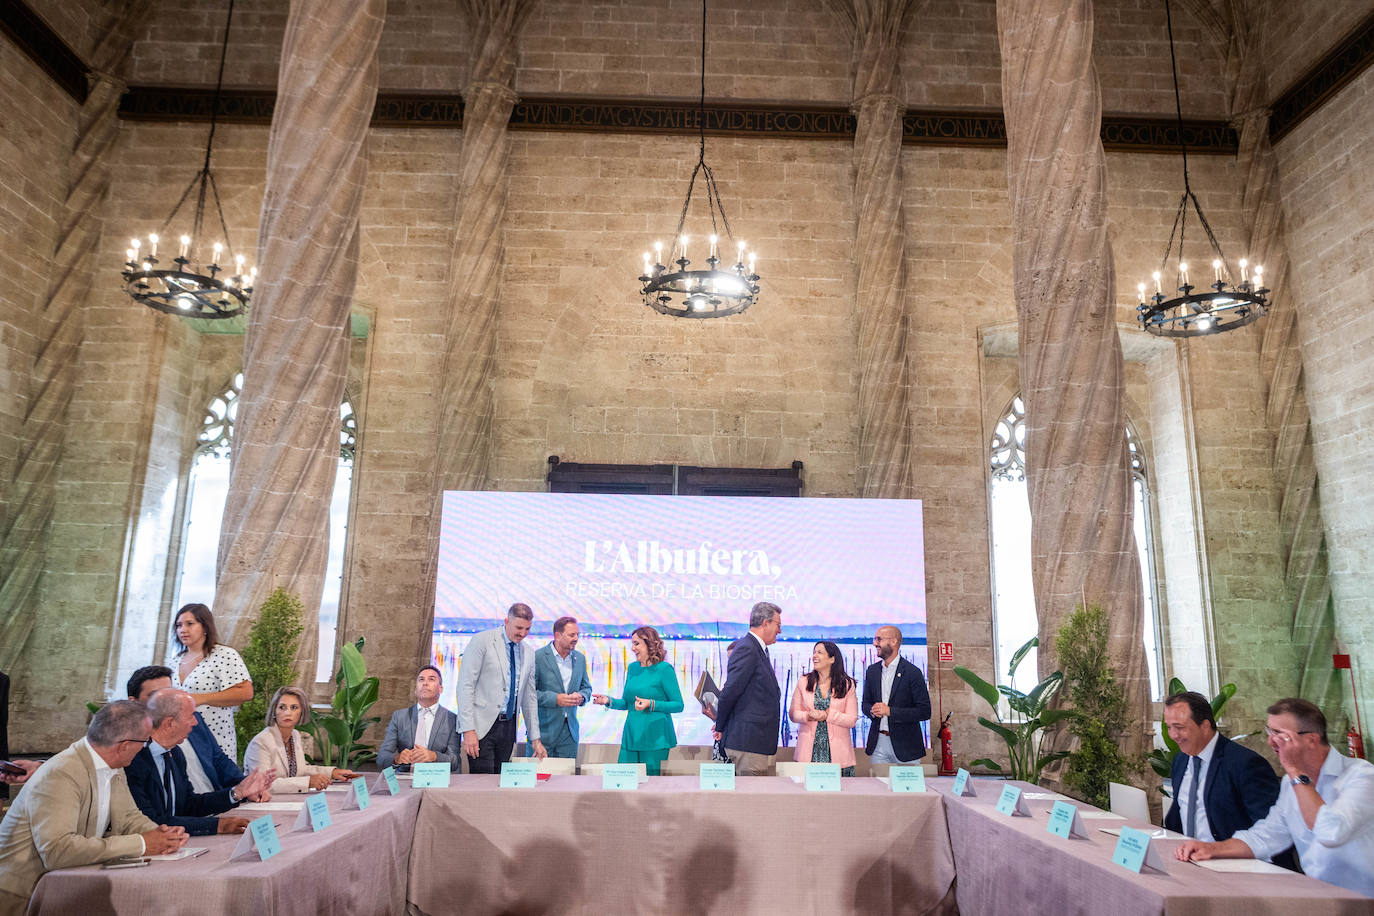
423 733
561 685
207 766
62 814
896 701
1325 807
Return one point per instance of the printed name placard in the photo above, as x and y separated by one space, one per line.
1011 803
622 777
1065 822
388 781
906 779
314 815
962 786
1133 851
822 777
430 775
260 840
358 799
519 774
717 777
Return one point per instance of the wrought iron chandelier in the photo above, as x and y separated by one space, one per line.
696 293
206 281
1224 304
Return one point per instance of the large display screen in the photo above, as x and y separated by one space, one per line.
689 566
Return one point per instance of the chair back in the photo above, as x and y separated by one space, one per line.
791 769
557 766
596 769
1130 802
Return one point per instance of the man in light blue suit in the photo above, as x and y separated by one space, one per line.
562 685
423 733
495 682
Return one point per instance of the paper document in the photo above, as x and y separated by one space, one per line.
707 693
1100 816
1158 833
1247 866
186 852
1045 796
263 807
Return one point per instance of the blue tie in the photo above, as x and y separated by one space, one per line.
167 783
510 701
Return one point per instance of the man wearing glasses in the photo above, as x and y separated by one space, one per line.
62 814
1325 806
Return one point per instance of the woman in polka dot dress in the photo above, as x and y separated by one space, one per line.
211 672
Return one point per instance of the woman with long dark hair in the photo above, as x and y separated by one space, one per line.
211 672
825 697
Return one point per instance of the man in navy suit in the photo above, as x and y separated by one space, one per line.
896 702
561 686
157 775
207 766
1219 786
750 707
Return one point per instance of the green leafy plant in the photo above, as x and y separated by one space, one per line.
1101 704
1162 759
338 735
271 659
1023 731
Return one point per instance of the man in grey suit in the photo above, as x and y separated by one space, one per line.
561 685
63 812
495 680
423 733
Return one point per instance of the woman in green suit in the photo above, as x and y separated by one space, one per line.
651 697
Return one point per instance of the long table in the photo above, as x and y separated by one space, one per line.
1011 865
355 866
566 846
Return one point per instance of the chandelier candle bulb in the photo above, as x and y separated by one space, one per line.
1244 271
683 242
1216 266
152 245
1182 274
658 252
740 258
219 248
1141 288
185 245
1259 274
1158 288
134 244
713 246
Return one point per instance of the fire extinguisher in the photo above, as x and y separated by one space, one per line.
1354 742
947 749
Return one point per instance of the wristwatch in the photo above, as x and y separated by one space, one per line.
234 795
1302 779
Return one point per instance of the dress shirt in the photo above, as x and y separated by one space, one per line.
104 775
564 667
424 723
1339 847
762 645
161 761
200 783
889 678
1203 826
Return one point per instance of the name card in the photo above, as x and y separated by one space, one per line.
358 799
519 774
622 777
962 786
1065 822
906 779
433 775
313 816
387 781
1011 803
1133 851
822 777
717 777
260 840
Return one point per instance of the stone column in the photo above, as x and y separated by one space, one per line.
464 388
884 357
1078 473
32 493
286 444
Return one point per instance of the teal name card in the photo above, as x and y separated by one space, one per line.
620 776
263 834
393 784
1012 803
718 777
1133 851
962 786
519 774
822 777
430 775
1064 821
906 779
317 806
360 794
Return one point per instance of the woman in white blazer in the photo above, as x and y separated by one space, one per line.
279 746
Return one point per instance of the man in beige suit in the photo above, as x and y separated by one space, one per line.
64 811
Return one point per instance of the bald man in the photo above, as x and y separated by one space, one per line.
896 702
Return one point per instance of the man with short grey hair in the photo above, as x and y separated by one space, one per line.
749 711
495 682
62 814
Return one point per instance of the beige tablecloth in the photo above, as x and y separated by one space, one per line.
1012 866
356 865
567 846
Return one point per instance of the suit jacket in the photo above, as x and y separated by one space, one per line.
400 735
750 708
548 684
52 822
909 704
1239 790
194 812
482 680
219 769
267 749
842 716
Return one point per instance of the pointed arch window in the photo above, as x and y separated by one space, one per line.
1014 614
207 490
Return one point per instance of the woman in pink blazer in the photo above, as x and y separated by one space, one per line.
825 696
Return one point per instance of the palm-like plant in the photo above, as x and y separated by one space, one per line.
1023 730
338 735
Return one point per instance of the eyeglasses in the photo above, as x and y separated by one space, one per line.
1287 736
143 741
